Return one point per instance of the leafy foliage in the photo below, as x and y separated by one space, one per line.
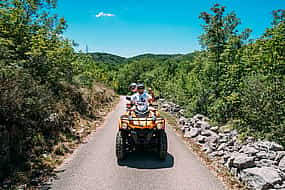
233 79
43 84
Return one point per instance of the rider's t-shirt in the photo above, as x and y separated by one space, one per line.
141 98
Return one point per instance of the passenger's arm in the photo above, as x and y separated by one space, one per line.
152 95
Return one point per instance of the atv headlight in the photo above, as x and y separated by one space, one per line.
124 125
160 125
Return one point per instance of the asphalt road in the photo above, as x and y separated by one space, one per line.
94 165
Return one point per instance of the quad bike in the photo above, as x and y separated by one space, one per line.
141 127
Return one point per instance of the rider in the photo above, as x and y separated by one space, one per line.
142 96
134 88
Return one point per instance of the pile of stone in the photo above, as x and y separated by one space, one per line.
258 163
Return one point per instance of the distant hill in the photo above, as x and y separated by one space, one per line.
115 59
161 57
108 58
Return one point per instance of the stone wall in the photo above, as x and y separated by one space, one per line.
258 163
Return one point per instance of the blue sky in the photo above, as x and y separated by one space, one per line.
129 27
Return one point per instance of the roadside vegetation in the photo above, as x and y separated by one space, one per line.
46 90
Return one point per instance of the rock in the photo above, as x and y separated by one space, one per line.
217 154
280 155
280 186
201 139
206 133
264 155
230 143
207 147
215 129
229 158
176 109
261 178
184 128
281 164
200 117
192 133
230 149
214 137
242 161
165 105
265 163
233 132
249 150
182 120
222 146
267 145
205 125
224 138
250 140
181 112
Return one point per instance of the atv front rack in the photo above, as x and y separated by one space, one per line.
126 118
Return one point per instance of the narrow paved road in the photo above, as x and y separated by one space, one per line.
94 166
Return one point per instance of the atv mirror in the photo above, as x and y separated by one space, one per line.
128 98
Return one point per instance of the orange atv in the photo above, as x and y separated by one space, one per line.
141 127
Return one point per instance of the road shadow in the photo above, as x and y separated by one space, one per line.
146 160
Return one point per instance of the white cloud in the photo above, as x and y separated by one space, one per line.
104 14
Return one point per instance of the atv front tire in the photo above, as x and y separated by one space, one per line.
120 146
162 146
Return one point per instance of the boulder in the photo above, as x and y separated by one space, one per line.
205 132
229 158
215 129
201 139
267 145
184 128
181 112
242 161
250 140
281 164
165 105
248 150
217 154
203 124
280 186
261 178
207 147
222 146
267 155
233 132
265 163
182 120
176 109
214 137
280 155
200 117
192 133
223 139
